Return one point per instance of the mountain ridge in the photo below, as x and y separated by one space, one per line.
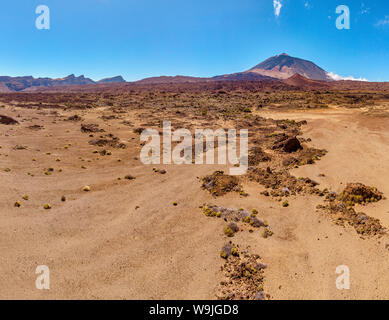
17 84
280 67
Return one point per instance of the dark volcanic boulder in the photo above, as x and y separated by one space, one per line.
292 145
288 144
7 120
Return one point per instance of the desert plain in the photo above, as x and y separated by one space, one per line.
74 195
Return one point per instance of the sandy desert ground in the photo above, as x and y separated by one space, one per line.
124 239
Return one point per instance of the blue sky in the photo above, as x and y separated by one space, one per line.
144 38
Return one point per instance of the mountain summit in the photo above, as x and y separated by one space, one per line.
284 66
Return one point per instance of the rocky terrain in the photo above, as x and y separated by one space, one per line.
76 197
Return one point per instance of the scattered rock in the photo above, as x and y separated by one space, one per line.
138 130
35 127
109 140
260 295
285 191
219 184
266 233
90 128
243 280
226 251
19 147
233 215
75 117
358 193
161 171
341 208
257 155
233 226
289 161
231 229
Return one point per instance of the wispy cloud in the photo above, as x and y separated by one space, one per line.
383 23
277 7
335 76
364 9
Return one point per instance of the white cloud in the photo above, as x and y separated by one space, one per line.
383 22
277 7
335 76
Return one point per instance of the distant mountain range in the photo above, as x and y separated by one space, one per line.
28 83
280 67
